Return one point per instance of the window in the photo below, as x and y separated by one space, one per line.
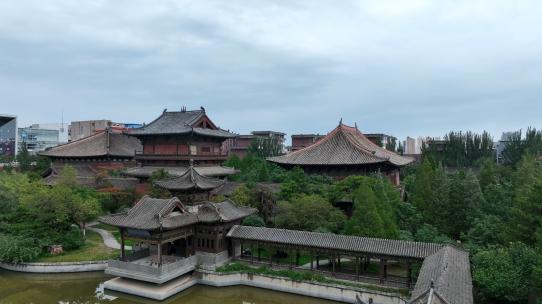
206 149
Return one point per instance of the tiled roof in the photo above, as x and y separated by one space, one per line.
391 248
100 144
181 122
190 180
343 146
449 270
146 171
152 213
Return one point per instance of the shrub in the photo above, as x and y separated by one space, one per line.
72 239
18 249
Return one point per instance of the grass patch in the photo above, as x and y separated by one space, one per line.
93 250
303 276
115 232
105 227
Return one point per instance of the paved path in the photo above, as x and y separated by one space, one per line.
109 240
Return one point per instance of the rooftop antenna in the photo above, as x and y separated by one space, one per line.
62 121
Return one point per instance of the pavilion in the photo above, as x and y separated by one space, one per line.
342 152
191 187
173 238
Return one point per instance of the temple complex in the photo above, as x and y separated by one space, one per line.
344 151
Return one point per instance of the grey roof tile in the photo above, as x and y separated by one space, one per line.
100 144
190 180
152 213
180 122
343 146
449 270
392 248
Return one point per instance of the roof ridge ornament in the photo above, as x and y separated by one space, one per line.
183 109
203 109
165 110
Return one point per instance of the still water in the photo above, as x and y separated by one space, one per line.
85 288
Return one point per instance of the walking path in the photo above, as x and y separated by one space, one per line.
108 238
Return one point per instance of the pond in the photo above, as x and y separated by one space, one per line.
85 288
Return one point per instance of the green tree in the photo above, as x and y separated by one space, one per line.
241 196
254 220
308 212
526 212
422 189
370 217
506 273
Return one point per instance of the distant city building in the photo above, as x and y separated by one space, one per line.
410 146
381 140
82 129
8 135
240 144
62 129
300 141
36 139
501 145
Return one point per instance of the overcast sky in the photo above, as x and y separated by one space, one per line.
398 67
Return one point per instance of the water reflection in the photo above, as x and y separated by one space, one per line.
87 288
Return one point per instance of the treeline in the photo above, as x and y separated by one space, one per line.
34 215
469 149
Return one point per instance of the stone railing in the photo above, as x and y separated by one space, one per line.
153 274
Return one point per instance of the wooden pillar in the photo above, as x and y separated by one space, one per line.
366 264
332 265
339 261
357 268
312 261
270 257
383 269
159 253
297 256
242 249
409 275
290 260
251 254
317 261
122 252
259 253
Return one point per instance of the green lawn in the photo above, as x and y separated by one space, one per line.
93 250
115 232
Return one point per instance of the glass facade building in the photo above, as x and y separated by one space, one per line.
37 139
8 135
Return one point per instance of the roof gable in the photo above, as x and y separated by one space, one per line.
103 143
191 179
343 146
182 122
